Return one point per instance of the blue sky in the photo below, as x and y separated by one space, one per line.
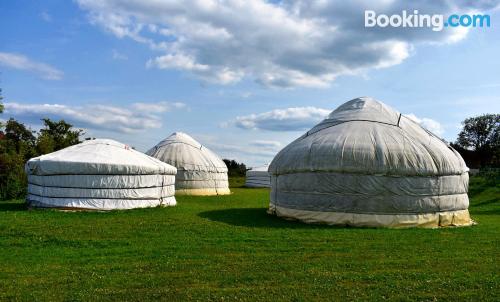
244 78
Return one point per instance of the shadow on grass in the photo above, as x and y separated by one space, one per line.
13 206
256 218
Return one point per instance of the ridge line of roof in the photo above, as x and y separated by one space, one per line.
178 142
342 122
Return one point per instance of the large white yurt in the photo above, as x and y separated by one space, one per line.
258 177
199 170
368 165
99 174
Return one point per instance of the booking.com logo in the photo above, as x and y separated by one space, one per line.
436 22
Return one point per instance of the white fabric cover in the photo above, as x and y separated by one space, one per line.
258 177
99 174
199 170
367 159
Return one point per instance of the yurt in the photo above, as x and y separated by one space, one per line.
99 174
258 177
368 165
199 170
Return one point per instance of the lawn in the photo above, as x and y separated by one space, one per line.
228 248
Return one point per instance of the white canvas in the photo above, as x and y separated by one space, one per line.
370 163
258 177
99 174
199 170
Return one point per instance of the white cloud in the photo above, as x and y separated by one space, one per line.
289 119
429 124
176 61
46 16
285 44
247 154
118 55
21 62
158 107
246 94
139 117
266 144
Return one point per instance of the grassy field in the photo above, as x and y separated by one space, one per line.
228 248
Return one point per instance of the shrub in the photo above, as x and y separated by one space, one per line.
13 180
19 143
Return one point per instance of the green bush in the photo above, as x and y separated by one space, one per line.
235 169
13 180
19 143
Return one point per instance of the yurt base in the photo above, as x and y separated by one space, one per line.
98 204
203 192
257 185
458 218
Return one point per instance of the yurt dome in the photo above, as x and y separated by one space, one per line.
199 170
258 177
99 174
368 165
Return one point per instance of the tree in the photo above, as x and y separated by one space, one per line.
480 132
20 139
56 136
234 168
1 98
479 140
16 147
13 180
20 143
1 107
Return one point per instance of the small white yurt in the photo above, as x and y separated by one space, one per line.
99 174
368 165
258 177
199 170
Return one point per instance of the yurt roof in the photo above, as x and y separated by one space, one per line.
369 137
99 156
184 152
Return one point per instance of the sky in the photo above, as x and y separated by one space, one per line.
244 78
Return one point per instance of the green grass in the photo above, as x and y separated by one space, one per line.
236 182
228 248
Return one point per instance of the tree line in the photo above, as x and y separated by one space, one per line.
235 169
479 141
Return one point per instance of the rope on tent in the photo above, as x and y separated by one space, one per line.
215 185
162 188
